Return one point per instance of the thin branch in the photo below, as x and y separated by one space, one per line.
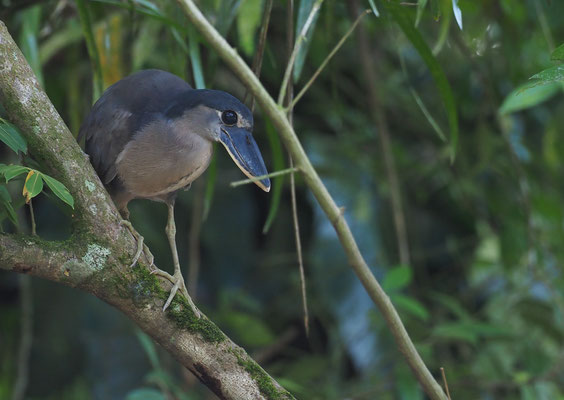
328 58
259 178
297 46
445 382
232 59
257 60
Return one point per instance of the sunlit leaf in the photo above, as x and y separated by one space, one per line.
397 278
248 21
549 75
558 54
10 136
527 96
33 185
277 182
59 190
404 21
11 171
373 8
457 13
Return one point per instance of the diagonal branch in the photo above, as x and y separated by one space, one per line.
96 257
333 212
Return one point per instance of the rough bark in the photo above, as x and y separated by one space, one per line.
96 257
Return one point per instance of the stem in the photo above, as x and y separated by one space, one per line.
258 178
297 46
328 58
312 180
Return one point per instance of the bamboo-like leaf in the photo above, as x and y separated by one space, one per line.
195 60
397 278
457 13
404 21
11 171
84 14
303 13
33 185
558 54
278 182
31 18
59 190
10 136
6 202
420 8
248 22
374 9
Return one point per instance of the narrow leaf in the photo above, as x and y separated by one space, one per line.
149 348
436 127
33 185
11 171
195 60
11 137
420 8
248 22
145 394
59 190
278 182
373 7
457 13
558 54
397 278
404 21
84 15
31 18
303 13
410 305
6 202
528 95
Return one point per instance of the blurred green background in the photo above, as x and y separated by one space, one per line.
481 288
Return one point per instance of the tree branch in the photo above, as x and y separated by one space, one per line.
96 257
333 212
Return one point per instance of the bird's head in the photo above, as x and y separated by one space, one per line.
220 117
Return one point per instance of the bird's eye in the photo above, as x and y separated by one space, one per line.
229 117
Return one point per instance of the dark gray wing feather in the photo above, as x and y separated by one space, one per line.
123 109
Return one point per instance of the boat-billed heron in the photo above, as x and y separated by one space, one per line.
150 135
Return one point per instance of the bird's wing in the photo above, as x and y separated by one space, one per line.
123 109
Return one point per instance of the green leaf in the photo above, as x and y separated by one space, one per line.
250 330
277 182
455 331
195 60
303 13
31 24
11 171
11 137
33 185
527 96
420 8
397 278
84 15
457 13
149 348
6 202
248 21
410 305
403 19
549 75
558 54
59 190
373 7
145 394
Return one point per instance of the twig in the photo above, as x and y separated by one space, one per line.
354 257
297 46
445 383
258 178
32 219
328 58
257 61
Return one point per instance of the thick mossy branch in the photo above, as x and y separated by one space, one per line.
96 258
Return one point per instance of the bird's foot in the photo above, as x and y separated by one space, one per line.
141 246
178 283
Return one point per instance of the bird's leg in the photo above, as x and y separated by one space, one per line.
177 280
140 243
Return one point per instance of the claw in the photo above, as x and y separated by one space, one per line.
178 283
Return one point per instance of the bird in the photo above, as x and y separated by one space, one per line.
151 134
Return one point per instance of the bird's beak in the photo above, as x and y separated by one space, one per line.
245 153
